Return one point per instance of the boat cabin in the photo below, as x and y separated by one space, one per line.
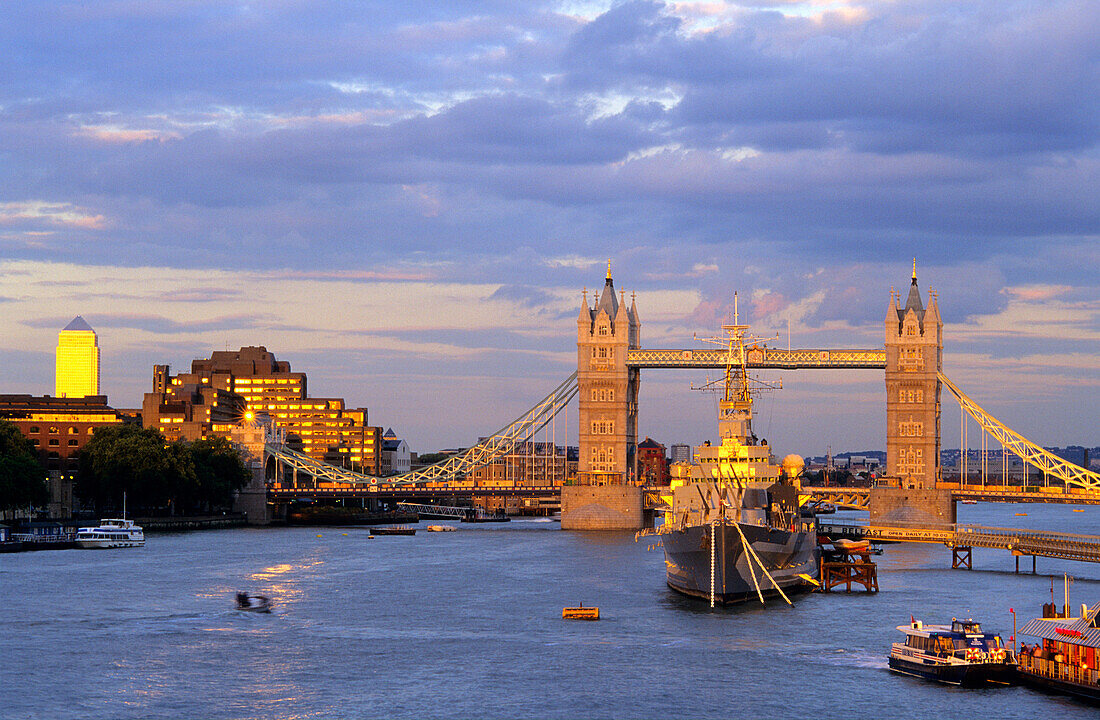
943 640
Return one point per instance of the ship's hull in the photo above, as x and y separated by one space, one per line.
786 555
963 674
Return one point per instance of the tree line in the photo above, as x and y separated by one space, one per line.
157 476
22 479
179 477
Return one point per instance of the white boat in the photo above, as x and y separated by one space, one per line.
111 533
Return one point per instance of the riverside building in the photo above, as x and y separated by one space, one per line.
77 361
223 387
59 428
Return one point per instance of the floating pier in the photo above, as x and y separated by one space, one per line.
961 539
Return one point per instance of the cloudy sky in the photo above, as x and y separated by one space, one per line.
406 199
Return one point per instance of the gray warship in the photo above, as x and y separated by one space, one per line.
734 527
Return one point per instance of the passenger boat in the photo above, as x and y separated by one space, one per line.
957 654
396 530
111 533
735 526
1067 658
440 528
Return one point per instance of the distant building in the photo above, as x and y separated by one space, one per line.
531 463
680 453
59 428
319 427
652 463
396 458
77 361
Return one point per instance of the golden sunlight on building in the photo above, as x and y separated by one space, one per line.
77 361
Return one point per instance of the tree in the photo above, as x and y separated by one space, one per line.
186 477
128 459
219 471
22 479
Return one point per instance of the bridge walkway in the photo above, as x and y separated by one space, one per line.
1036 543
851 498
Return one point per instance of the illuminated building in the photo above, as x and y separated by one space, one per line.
319 427
77 361
652 463
59 428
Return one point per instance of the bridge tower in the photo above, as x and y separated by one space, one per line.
605 496
607 388
914 358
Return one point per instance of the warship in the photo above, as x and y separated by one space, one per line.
734 524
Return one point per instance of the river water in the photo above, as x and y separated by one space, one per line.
468 625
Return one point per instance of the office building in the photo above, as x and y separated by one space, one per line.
77 361
322 428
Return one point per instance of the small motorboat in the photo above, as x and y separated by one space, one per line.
440 528
253 603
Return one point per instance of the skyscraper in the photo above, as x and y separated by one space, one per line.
77 373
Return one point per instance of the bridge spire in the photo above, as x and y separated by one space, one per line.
608 269
914 269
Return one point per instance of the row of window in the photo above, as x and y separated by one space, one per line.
906 395
911 462
54 430
911 358
266 381
600 352
603 427
911 429
55 443
603 394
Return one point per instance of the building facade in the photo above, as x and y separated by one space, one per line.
59 428
914 359
680 452
531 463
229 384
652 463
76 363
607 388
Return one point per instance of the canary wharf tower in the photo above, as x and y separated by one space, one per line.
77 360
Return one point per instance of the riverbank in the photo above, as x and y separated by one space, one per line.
192 522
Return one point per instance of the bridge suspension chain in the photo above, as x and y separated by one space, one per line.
1028 451
499 444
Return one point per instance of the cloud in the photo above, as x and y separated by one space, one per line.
36 212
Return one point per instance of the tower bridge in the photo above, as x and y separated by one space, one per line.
610 358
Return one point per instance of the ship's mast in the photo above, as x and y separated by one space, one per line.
735 408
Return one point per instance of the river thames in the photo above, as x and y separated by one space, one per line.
468 624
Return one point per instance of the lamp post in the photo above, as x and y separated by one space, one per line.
1013 630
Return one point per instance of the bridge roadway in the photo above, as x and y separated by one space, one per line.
847 498
1066 546
405 492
